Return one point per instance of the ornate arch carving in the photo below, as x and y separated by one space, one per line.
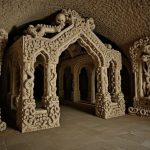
71 27
140 57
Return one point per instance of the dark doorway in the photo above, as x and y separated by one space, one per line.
68 80
38 84
83 84
8 82
126 87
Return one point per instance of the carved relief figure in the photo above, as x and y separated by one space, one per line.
40 29
146 71
140 56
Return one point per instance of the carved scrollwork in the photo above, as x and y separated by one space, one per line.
140 56
134 51
71 27
28 80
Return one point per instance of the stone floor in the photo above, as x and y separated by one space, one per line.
82 131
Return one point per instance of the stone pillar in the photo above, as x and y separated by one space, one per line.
92 80
52 104
26 104
3 41
118 93
103 99
88 70
61 82
136 96
76 91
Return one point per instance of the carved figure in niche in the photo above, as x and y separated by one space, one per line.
146 71
40 30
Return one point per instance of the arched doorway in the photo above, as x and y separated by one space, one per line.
83 84
68 81
38 89
76 78
126 87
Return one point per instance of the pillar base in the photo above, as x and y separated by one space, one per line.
31 119
2 126
106 109
143 112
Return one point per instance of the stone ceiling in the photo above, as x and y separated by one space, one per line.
121 21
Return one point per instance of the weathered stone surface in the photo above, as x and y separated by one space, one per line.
34 49
122 21
140 56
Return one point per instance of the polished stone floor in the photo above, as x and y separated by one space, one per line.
82 131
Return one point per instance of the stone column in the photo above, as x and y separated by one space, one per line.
117 81
92 80
88 70
52 103
76 91
136 97
61 82
103 99
26 104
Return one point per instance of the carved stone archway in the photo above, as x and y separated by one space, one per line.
71 28
140 56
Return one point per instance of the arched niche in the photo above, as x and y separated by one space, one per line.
83 84
67 83
126 87
40 77
140 57
38 84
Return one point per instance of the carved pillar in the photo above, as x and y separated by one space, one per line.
52 104
118 92
88 70
76 91
103 99
26 104
113 81
50 84
92 87
3 41
61 82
